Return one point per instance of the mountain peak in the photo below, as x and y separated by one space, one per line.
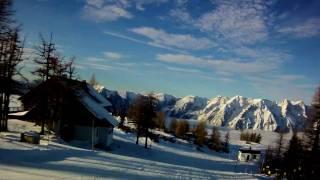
236 112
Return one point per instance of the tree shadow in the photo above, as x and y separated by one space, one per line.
179 159
125 160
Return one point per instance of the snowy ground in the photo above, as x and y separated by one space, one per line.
165 160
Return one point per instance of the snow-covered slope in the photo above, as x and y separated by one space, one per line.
56 159
236 112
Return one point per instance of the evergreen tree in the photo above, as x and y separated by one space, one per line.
312 134
200 133
258 138
47 59
70 68
173 125
268 161
11 49
278 159
160 120
226 144
215 139
142 114
93 82
279 145
182 128
250 137
293 159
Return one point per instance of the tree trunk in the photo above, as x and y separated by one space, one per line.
146 141
44 112
138 135
6 111
42 127
1 112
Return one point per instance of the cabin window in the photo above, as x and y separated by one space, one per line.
254 156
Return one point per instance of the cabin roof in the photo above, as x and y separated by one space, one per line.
94 102
103 101
250 151
98 110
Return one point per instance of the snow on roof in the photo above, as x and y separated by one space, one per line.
103 101
19 113
98 110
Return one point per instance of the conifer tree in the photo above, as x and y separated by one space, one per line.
268 161
226 144
200 133
11 49
215 139
293 165
93 82
279 145
160 120
173 125
70 68
47 59
142 113
312 135
182 128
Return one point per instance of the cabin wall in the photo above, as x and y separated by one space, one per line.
102 136
84 133
248 157
105 135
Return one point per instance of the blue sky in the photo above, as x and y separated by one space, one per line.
253 48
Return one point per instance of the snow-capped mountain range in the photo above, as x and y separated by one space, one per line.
235 112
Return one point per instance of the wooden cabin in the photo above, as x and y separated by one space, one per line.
72 109
246 154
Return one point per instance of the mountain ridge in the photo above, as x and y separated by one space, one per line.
235 112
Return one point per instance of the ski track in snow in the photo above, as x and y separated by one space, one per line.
125 160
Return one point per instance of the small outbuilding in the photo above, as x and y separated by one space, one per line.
248 154
72 109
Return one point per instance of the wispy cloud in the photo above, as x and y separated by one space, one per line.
181 41
140 4
305 29
112 10
268 55
121 36
221 65
282 86
243 22
112 55
118 35
185 70
101 66
199 74
95 59
99 10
